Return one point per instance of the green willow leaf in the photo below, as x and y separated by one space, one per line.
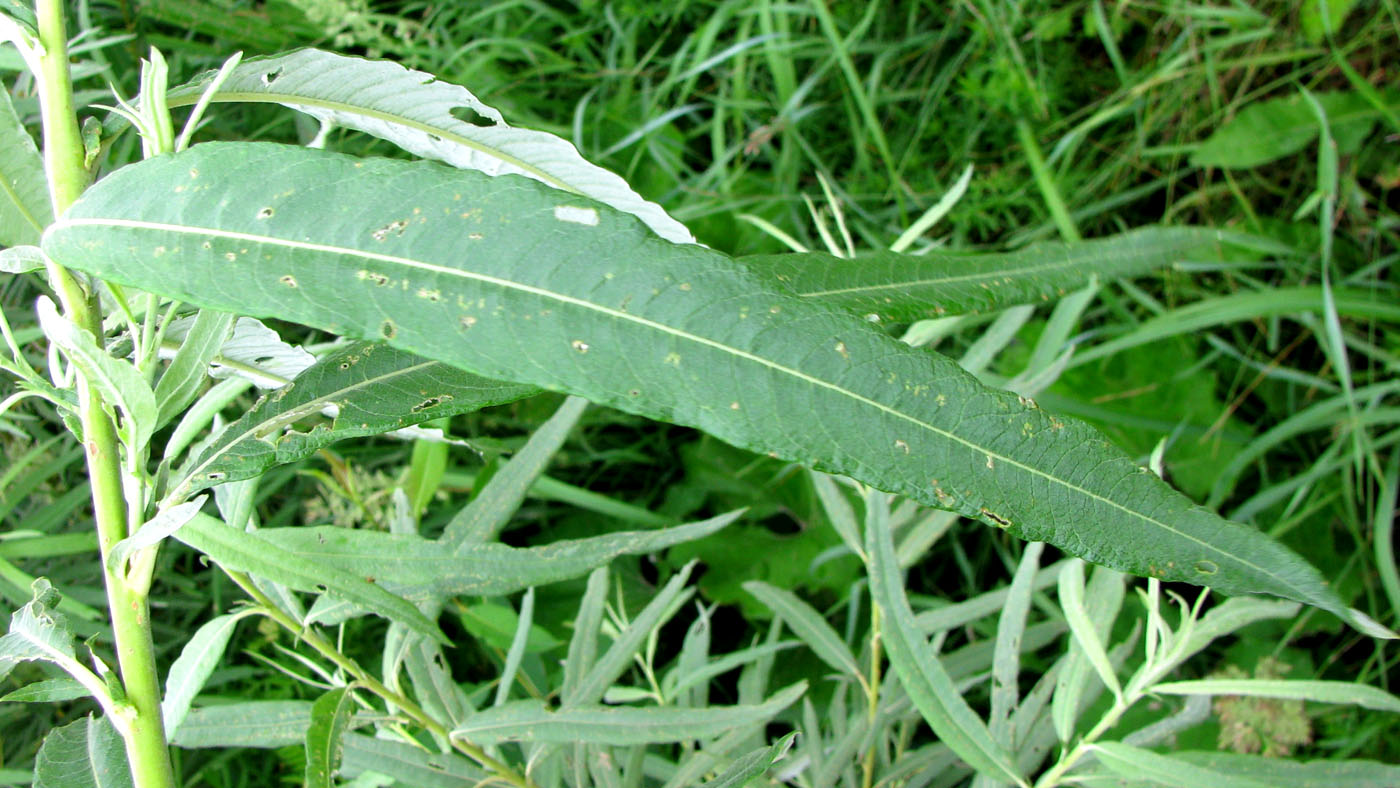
423 570
532 720
427 117
409 765
325 737
85 754
903 287
259 723
252 552
513 280
24 190
370 388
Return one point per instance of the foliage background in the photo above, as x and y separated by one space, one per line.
726 110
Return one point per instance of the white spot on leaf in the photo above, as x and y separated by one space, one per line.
576 215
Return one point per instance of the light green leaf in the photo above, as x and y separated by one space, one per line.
180 382
483 518
1083 627
325 737
421 570
502 276
166 522
120 383
84 754
409 765
192 668
308 571
256 353
47 691
24 189
422 115
904 288
21 259
532 720
807 624
1278 772
1139 764
370 388
260 723
747 767
1266 131
1319 691
39 632
920 671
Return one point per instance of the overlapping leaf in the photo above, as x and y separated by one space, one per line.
433 119
368 388
516 281
902 287
424 570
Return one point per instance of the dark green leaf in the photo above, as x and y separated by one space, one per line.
1269 130
516 281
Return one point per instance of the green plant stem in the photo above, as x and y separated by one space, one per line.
147 754
872 691
328 650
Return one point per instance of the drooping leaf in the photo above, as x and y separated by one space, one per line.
192 668
516 281
426 117
120 383
166 522
422 570
369 388
902 287
325 737
24 189
1269 130
252 552
84 754
532 720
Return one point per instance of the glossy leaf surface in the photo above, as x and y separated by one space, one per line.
513 280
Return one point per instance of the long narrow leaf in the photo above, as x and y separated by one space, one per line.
929 686
902 288
1318 691
532 720
517 281
249 552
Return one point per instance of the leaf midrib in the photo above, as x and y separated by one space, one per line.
663 328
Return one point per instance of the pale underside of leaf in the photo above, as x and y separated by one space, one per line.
482 273
420 114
